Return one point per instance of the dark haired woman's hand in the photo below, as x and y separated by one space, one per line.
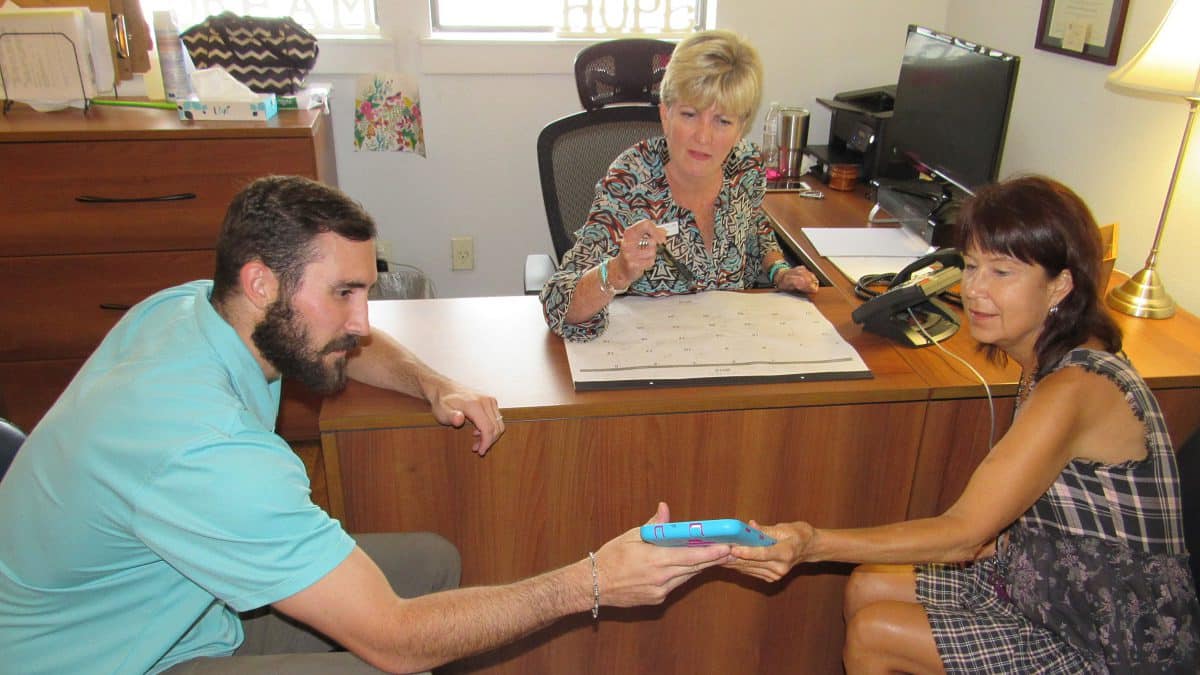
772 563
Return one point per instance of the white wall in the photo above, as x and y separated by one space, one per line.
812 49
484 105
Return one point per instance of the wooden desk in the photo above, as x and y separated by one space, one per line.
575 469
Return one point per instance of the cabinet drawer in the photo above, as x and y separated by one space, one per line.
59 307
44 216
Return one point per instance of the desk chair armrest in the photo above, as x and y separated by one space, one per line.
11 439
538 268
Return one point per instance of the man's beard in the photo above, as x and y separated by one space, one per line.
282 339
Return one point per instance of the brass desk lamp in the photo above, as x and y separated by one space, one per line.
1168 64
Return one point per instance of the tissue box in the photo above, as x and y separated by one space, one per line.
261 110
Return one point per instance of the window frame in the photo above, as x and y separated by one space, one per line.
436 30
370 29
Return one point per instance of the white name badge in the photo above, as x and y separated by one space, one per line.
671 229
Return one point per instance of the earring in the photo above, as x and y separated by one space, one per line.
1054 310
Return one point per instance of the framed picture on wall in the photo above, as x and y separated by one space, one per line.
1086 29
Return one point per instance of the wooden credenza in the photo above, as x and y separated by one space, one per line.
576 468
100 209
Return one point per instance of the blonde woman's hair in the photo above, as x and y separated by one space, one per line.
715 67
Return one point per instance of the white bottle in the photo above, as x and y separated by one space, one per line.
770 140
173 59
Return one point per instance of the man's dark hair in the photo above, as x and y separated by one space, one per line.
275 220
1040 221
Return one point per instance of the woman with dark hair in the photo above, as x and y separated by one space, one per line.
1065 553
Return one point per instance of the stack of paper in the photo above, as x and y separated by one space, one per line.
860 251
52 58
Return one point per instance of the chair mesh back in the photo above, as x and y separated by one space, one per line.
621 71
575 152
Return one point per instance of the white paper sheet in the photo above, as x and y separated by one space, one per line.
716 337
867 241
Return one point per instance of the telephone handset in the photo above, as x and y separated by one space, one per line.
888 313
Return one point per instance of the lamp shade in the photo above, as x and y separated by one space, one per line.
1170 62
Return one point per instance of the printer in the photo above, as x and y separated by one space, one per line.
857 132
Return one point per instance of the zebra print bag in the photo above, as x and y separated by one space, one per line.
269 55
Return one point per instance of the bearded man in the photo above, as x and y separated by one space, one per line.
153 521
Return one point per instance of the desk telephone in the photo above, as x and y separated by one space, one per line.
909 304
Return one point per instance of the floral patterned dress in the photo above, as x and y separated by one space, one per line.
636 188
1093 578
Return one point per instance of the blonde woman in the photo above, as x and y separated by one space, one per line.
696 192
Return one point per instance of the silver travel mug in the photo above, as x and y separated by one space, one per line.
793 136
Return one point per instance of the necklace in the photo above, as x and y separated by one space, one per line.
1024 386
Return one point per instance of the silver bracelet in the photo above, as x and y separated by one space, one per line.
595 588
604 285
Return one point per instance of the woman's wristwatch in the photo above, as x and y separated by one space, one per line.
604 285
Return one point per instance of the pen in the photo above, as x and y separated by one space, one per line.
164 105
684 272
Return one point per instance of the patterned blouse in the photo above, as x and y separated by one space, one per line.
636 188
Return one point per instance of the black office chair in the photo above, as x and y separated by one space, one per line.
11 439
1188 458
627 70
574 152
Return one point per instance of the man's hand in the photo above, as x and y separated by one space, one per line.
633 573
457 405
771 563
384 362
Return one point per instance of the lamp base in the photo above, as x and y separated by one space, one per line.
1142 296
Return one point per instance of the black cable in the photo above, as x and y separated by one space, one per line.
862 287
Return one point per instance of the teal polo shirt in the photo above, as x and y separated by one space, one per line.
154 501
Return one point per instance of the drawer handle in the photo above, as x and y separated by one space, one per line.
115 306
92 199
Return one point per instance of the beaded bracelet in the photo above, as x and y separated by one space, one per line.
779 265
595 587
604 285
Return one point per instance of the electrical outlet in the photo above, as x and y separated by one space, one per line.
383 249
462 253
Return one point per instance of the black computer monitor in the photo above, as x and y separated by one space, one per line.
952 103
